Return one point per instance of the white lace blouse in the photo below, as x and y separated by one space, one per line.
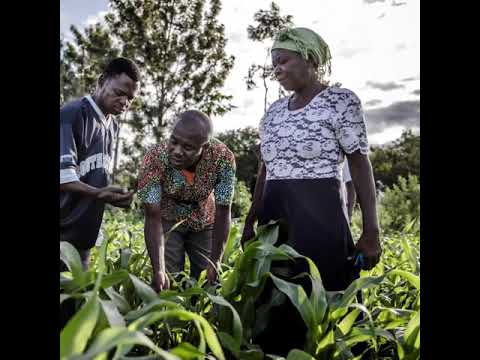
309 143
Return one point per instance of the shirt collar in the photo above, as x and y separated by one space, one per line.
105 120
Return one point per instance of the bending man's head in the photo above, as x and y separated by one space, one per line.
190 135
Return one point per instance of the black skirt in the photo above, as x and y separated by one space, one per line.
314 222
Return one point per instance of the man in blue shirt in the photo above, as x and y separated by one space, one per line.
87 137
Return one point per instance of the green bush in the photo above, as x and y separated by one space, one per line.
397 207
400 204
241 200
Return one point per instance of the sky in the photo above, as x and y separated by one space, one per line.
375 46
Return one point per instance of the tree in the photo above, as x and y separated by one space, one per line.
83 59
179 46
244 143
268 23
400 158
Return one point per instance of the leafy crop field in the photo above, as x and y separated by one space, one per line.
119 316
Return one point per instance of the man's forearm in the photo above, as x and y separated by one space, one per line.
80 188
155 243
362 177
220 232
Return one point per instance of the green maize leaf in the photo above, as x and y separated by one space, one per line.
125 255
412 278
387 313
346 324
228 342
155 305
291 252
238 276
274 357
408 252
202 347
263 312
65 277
102 356
408 227
69 255
210 337
237 330
146 293
318 296
268 233
416 345
122 305
342 351
357 285
114 278
364 334
75 335
327 341
299 299
64 297
412 330
187 351
171 295
112 314
229 286
400 352
195 291
337 314
261 267
395 324
147 357
102 324
101 266
363 309
248 316
232 243
112 337
296 354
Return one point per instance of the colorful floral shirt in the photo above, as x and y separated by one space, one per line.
213 183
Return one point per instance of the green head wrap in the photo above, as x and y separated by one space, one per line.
308 44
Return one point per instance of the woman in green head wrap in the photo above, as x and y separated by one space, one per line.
304 140
309 45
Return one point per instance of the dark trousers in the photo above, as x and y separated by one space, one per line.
181 241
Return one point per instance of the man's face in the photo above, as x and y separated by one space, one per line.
116 94
184 148
290 69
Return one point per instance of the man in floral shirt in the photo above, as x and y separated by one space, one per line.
189 179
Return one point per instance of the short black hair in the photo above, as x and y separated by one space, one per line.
119 66
197 121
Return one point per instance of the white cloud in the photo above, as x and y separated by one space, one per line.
93 19
388 135
364 40
363 48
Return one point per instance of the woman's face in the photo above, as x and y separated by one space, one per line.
291 70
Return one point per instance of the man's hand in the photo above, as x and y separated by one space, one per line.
116 196
248 233
369 246
125 204
211 274
160 281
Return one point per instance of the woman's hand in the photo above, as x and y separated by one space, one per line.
369 246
